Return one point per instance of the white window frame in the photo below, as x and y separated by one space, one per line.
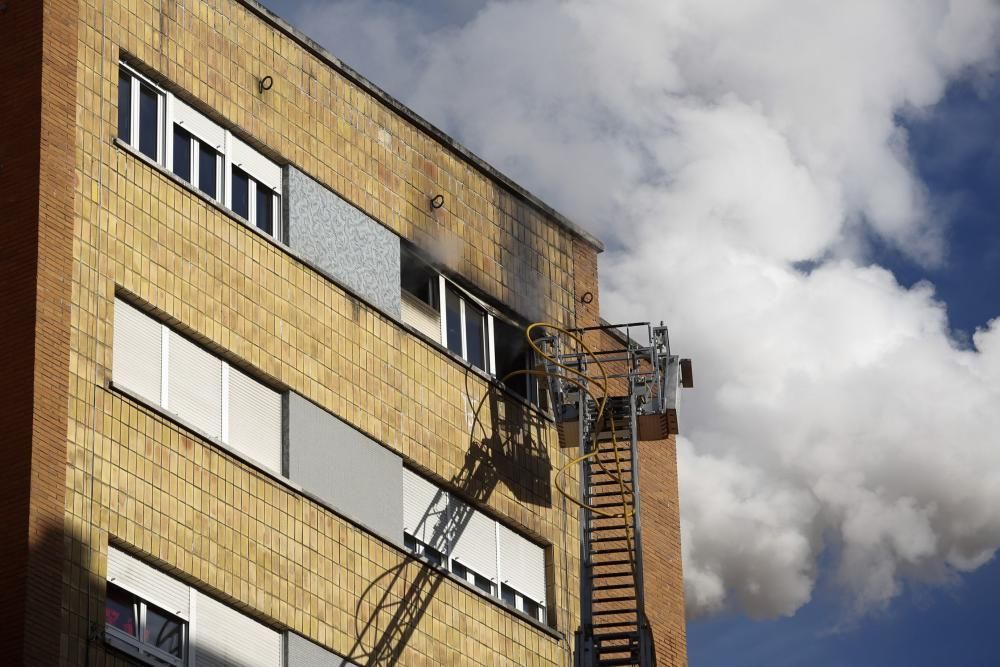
140 649
252 188
195 161
138 80
463 297
232 151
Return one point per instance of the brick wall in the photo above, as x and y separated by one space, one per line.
197 511
38 66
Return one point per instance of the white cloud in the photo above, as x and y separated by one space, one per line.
717 144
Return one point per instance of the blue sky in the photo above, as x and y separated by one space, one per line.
807 192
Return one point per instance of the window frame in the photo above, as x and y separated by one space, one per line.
138 81
136 646
437 287
253 185
231 152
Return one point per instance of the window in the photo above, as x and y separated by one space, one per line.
197 163
140 113
418 548
448 532
522 603
512 353
134 626
199 151
254 201
255 191
167 369
153 617
445 313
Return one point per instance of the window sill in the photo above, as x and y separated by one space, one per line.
180 182
284 481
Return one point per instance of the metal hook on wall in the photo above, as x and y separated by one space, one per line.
437 201
265 84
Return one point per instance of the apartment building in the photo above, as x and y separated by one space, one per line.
257 315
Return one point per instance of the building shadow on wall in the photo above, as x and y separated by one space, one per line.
509 448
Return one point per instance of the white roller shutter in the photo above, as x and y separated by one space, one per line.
476 546
522 564
255 164
194 381
136 355
254 419
425 509
223 637
199 125
420 316
148 583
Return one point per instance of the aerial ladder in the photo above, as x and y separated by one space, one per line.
606 398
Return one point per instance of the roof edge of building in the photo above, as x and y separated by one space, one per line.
401 109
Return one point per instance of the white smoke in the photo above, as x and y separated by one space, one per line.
719 146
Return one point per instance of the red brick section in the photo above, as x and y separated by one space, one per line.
660 507
38 42
660 522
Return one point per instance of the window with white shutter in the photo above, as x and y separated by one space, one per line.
194 380
135 576
254 419
224 637
448 532
136 352
425 511
476 544
522 564
146 612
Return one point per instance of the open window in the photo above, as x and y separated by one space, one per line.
450 316
512 354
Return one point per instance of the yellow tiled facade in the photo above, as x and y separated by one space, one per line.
139 480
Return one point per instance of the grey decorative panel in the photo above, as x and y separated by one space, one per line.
353 474
304 653
349 246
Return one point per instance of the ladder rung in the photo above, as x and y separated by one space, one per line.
600 540
612 575
611 480
608 494
598 552
613 624
613 612
611 563
616 662
603 529
611 587
620 598
612 636
610 504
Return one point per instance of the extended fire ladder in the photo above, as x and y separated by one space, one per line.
605 401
